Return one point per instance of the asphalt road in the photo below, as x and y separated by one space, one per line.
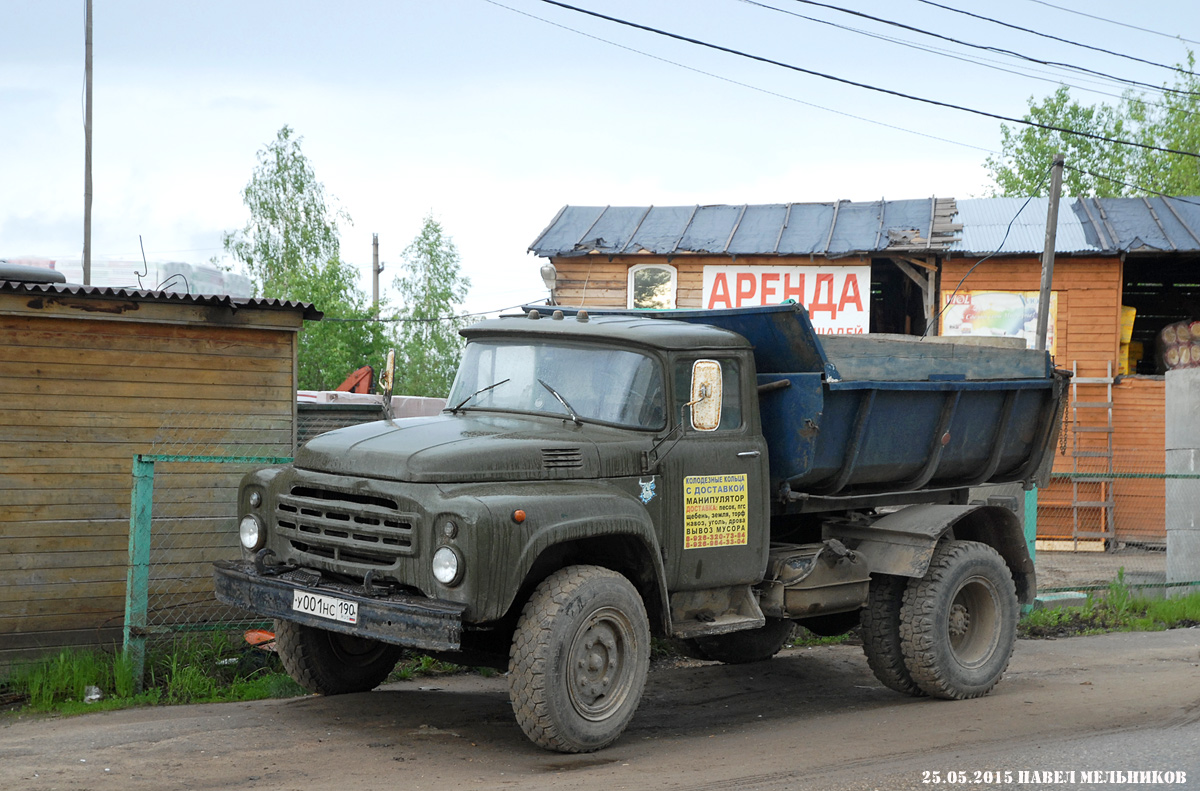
810 718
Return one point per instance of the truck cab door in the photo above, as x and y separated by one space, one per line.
717 526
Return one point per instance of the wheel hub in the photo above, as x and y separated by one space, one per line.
960 620
973 623
598 679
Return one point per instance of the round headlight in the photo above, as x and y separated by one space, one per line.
255 499
250 532
447 566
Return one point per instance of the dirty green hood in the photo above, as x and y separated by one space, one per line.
476 447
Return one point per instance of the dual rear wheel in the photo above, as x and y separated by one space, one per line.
949 634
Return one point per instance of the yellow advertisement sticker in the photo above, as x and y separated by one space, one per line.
715 511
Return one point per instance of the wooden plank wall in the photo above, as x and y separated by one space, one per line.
78 398
1089 302
1139 439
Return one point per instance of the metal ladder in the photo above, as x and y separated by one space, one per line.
1092 479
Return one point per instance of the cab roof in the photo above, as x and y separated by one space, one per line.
625 329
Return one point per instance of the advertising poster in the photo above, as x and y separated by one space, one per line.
715 511
1009 314
837 298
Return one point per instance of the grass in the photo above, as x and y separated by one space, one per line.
1119 608
206 668
188 669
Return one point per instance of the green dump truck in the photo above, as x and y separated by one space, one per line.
709 476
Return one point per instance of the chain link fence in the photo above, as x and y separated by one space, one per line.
183 513
184 517
1120 514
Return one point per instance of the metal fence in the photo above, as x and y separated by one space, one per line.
183 517
1130 512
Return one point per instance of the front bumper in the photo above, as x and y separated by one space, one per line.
400 619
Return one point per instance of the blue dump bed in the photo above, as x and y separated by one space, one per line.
852 415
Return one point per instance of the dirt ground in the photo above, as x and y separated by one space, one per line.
1073 569
810 718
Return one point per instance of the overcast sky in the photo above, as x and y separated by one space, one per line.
491 120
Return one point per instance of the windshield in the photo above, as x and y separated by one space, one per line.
612 386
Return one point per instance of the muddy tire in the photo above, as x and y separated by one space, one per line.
332 663
880 622
748 645
579 659
958 623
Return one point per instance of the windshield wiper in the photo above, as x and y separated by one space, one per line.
463 403
562 401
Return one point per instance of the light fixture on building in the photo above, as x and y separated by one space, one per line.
550 278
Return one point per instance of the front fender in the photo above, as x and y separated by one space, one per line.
557 514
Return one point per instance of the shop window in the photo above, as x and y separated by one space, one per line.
652 286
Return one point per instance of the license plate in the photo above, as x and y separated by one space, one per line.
325 607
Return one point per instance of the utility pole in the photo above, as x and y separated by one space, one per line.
375 270
87 150
1043 321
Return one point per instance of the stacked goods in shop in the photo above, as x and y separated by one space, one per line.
1126 362
1180 344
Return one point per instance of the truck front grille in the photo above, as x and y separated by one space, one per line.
344 526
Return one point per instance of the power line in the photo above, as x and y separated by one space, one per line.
1114 22
1049 36
741 84
1139 187
877 89
993 254
994 49
946 53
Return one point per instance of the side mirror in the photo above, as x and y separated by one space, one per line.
706 395
388 378
387 381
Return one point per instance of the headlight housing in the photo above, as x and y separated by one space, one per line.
447 565
250 532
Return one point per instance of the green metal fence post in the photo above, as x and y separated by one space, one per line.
1031 506
137 579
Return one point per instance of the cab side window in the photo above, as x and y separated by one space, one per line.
731 400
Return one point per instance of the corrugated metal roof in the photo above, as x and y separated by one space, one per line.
833 229
985 222
222 300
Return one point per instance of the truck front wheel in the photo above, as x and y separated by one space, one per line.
332 663
958 623
579 659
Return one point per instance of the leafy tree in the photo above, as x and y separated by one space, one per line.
1169 120
431 290
291 249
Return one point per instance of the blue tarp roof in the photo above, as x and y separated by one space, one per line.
832 229
975 226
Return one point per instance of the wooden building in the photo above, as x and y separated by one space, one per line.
89 377
944 267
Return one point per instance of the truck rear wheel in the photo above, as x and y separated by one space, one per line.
880 621
748 645
579 659
958 623
332 663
